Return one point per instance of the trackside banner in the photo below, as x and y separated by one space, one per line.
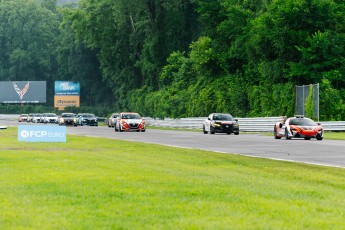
67 88
23 91
41 133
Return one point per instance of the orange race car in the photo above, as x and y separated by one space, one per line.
298 127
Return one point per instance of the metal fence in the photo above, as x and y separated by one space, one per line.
255 124
302 93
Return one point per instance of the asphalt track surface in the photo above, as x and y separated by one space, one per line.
325 152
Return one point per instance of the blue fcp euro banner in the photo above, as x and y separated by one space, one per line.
67 88
41 133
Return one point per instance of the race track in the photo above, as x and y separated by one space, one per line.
325 152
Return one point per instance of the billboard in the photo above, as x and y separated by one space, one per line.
23 91
61 102
67 88
67 93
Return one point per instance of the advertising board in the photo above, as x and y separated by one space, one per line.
41 133
67 94
61 102
67 88
23 91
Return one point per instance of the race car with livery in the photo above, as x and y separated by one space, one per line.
298 127
221 123
130 121
23 117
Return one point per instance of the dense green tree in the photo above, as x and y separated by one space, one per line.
78 63
133 38
27 33
175 58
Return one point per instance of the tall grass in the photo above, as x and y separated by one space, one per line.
94 183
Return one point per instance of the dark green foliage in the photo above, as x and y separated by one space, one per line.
331 102
178 58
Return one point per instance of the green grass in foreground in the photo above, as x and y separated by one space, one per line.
334 135
94 183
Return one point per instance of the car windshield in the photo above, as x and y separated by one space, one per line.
88 115
51 115
67 115
131 116
302 121
223 117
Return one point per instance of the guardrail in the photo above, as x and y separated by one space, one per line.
254 124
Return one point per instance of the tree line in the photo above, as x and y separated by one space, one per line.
180 58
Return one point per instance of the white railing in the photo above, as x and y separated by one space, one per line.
252 124
255 124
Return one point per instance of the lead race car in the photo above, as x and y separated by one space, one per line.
298 127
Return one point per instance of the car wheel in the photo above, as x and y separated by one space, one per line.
120 130
237 133
143 130
287 135
228 133
275 133
211 131
319 138
307 138
203 129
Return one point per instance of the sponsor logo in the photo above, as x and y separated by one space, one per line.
62 102
22 92
65 86
40 133
33 133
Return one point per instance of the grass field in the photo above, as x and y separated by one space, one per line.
334 135
94 183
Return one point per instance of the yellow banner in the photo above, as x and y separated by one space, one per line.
61 102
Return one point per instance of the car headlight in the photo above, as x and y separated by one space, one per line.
216 124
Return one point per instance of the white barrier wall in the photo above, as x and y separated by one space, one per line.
253 124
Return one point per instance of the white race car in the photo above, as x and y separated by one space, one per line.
221 123
129 121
